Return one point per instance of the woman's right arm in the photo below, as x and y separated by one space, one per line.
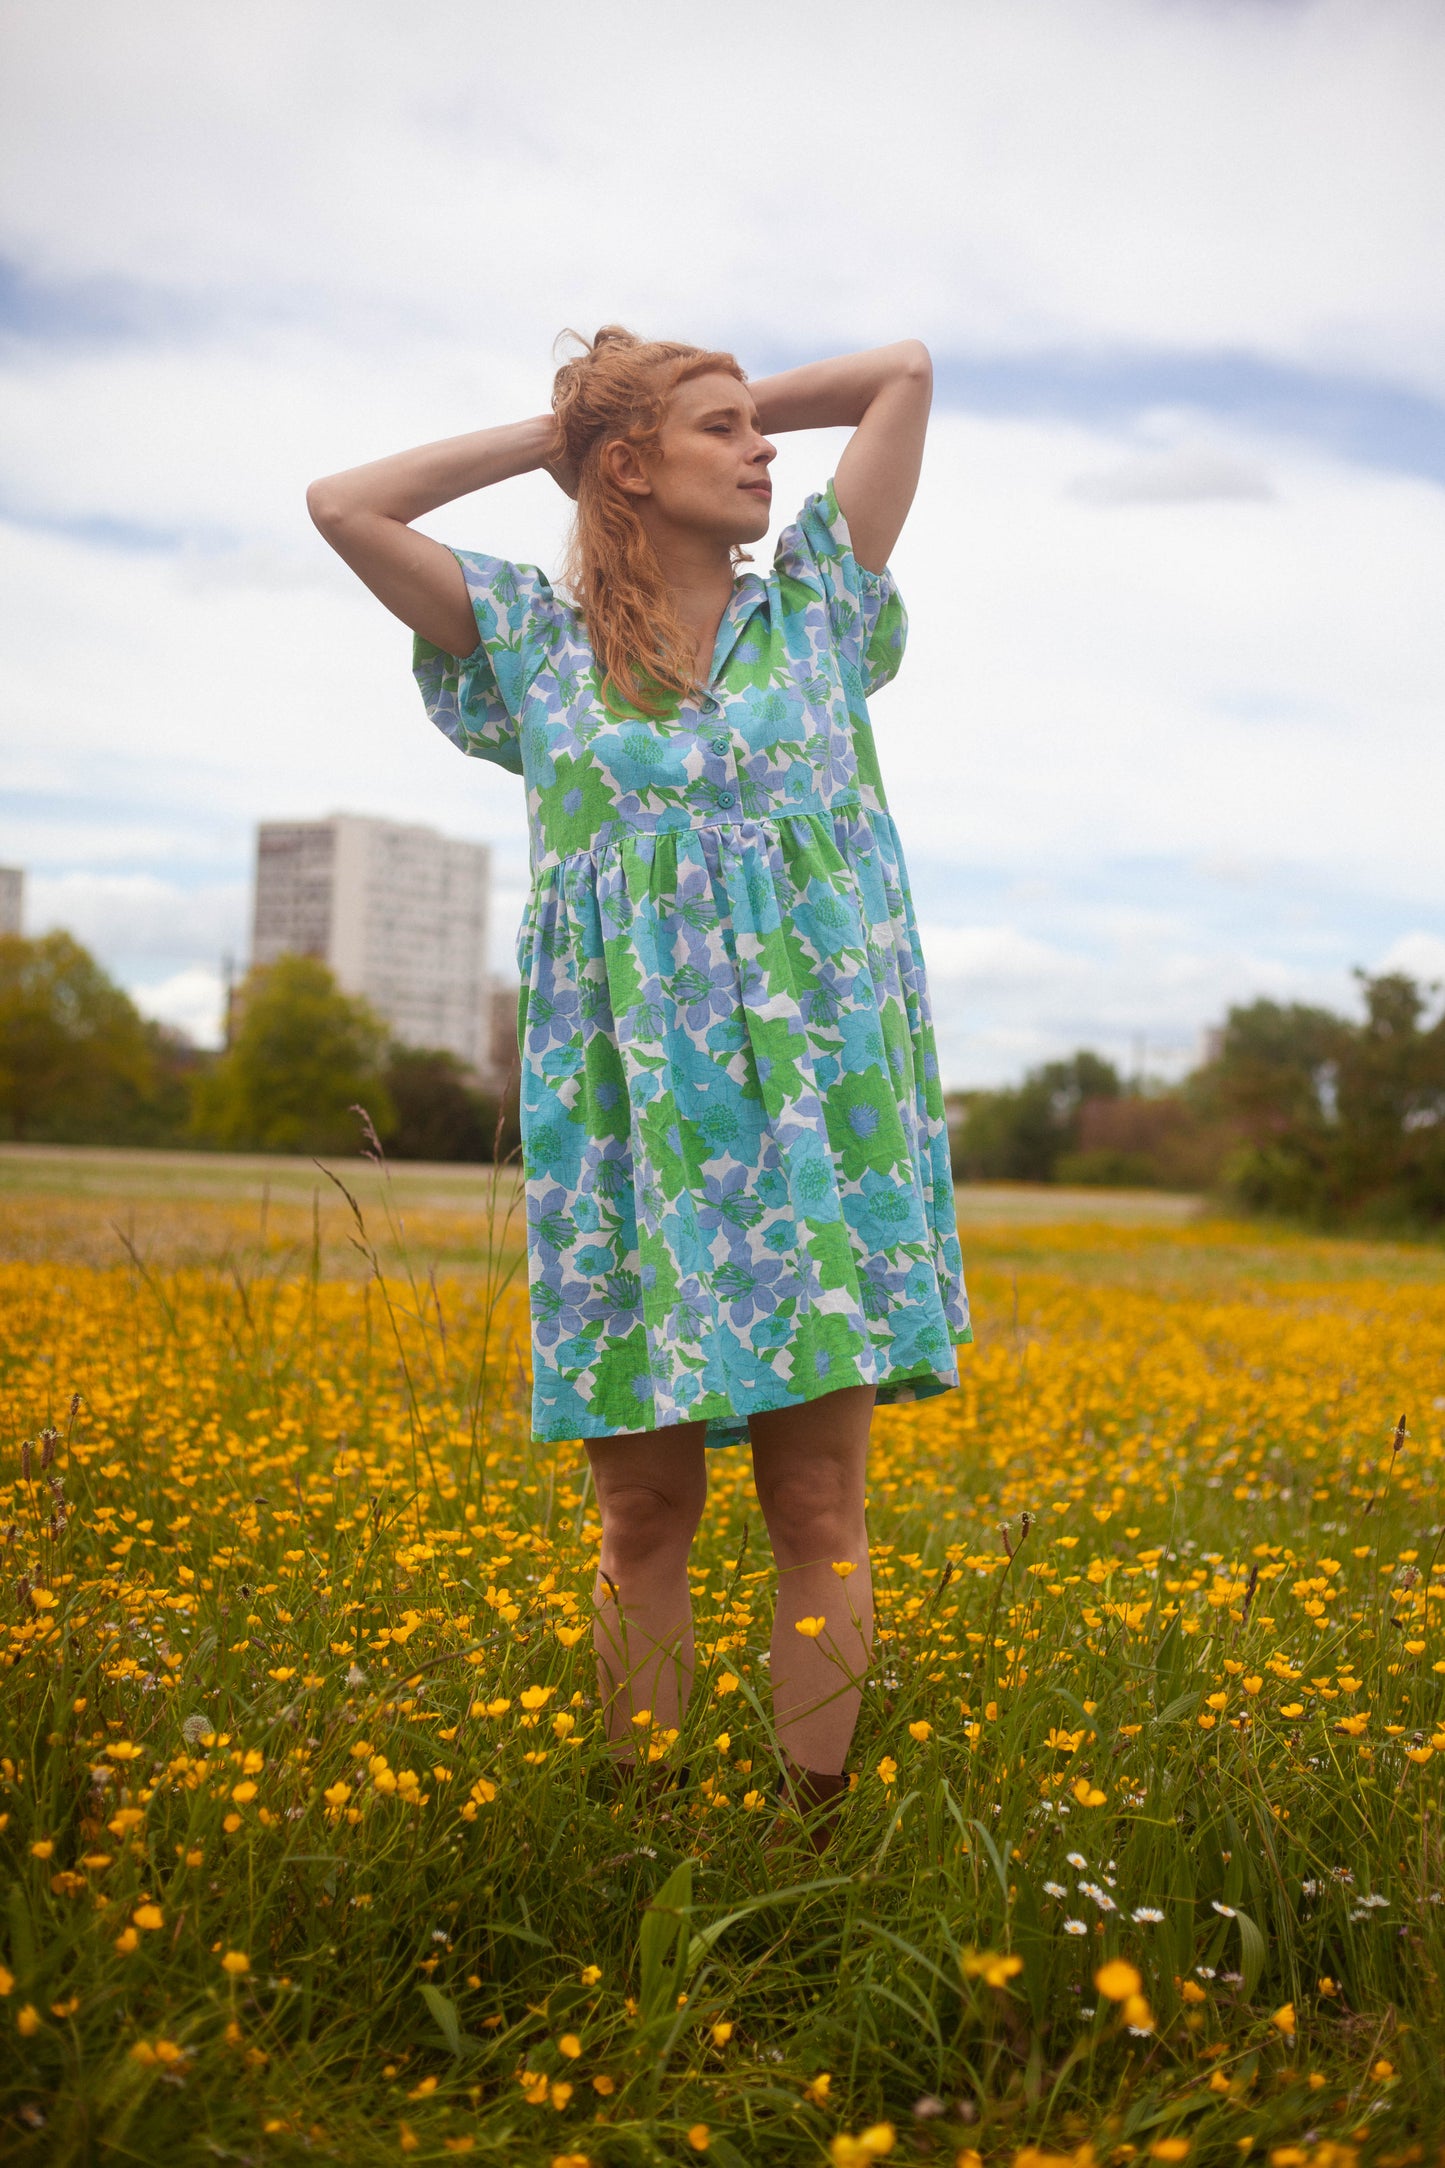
365 514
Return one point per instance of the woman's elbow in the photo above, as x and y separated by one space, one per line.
915 362
323 502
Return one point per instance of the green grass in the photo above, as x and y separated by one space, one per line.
302 1523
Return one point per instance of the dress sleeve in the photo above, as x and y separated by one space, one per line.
865 610
476 699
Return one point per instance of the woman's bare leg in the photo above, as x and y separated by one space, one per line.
810 1466
651 1489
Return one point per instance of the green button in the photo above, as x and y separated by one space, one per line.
724 797
721 744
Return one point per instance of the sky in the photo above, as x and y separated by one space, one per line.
1170 734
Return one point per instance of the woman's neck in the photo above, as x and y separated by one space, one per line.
699 576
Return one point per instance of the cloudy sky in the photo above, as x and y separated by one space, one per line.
1172 728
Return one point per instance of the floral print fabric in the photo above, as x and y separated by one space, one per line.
738 1185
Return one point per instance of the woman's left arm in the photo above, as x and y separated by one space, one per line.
883 396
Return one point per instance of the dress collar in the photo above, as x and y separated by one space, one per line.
748 592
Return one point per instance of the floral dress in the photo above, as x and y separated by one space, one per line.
738 1186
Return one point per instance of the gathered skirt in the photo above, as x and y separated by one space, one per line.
739 1194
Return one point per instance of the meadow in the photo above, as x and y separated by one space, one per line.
313 1846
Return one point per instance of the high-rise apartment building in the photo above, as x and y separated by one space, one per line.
399 913
12 898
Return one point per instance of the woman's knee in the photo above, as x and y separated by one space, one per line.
644 1525
814 1512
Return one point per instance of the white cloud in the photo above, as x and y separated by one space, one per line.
1420 955
1181 476
1095 171
1175 641
1240 680
191 1000
138 916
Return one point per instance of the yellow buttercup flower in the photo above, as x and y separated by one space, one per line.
846 2151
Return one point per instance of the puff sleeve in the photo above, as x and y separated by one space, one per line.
866 617
476 700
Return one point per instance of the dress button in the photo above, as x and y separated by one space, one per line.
720 743
724 797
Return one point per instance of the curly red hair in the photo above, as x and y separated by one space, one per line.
618 387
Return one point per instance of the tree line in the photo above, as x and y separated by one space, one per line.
1332 1120
1296 1112
79 1064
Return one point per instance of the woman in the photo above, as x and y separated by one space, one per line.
740 1206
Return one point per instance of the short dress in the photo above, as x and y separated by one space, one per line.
738 1187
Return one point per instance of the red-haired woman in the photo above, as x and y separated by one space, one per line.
740 1209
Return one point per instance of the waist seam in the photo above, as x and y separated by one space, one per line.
615 833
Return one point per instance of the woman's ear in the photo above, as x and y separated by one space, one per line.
622 465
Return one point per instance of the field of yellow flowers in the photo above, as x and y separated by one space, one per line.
312 1845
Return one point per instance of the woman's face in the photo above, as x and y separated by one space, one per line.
709 473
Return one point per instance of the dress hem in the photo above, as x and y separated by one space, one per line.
732 1429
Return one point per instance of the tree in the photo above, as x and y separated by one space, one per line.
79 1064
302 1055
1337 1121
1020 1133
1273 1070
438 1113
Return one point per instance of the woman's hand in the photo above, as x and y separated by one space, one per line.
564 474
365 515
884 396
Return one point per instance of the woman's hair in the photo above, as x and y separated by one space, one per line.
619 386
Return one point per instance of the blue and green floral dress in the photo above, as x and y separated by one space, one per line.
738 1185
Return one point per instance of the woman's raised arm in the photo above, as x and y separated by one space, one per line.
365 514
883 396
